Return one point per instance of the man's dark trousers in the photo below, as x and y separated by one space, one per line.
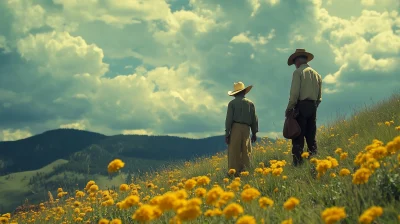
307 120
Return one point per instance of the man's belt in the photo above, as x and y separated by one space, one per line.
307 100
241 123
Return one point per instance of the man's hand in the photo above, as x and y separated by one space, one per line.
253 138
227 140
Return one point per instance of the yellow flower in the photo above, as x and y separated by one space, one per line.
361 176
287 221
277 171
344 172
144 213
226 196
226 180
232 171
291 203
246 219
244 173
397 128
250 194
203 180
338 150
213 195
190 210
124 187
232 210
104 221
116 221
370 214
115 165
305 154
190 184
333 175
343 155
265 202
333 214
167 201
200 192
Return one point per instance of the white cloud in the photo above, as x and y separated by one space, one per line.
137 132
27 15
245 37
80 125
3 44
14 134
365 43
60 54
368 2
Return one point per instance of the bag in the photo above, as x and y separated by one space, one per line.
291 128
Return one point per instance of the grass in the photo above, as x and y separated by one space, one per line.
381 188
16 185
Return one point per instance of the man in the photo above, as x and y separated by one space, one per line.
240 118
305 95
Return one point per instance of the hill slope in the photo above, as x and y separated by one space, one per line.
38 151
264 194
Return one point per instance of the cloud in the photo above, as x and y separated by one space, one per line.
77 125
60 54
245 38
137 132
14 134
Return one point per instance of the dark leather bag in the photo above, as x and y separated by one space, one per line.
291 128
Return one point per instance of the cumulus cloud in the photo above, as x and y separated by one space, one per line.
245 37
14 134
80 125
60 54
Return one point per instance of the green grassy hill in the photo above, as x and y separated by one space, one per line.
372 133
86 156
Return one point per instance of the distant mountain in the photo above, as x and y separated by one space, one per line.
91 152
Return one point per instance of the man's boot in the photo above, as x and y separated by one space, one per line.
313 151
297 160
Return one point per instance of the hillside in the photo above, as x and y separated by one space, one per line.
18 156
86 156
354 178
84 148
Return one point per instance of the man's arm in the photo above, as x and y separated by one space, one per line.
229 119
319 99
294 91
254 120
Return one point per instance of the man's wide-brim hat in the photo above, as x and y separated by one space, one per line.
297 53
239 87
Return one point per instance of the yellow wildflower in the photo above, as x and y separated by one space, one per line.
246 219
305 154
291 203
232 210
361 176
370 214
115 165
344 172
250 194
333 214
265 202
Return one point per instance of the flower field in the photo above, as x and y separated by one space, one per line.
354 178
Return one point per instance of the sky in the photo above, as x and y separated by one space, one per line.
164 67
